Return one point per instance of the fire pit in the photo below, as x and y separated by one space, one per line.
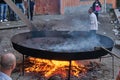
62 45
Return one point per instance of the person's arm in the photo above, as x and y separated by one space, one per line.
99 4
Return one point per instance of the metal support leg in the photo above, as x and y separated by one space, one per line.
69 70
100 59
113 65
23 66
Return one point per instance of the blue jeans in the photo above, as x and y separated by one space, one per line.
21 6
3 11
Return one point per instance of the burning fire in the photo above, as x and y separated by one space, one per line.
53 67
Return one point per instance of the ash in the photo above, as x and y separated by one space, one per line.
96 71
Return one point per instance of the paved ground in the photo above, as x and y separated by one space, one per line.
51 22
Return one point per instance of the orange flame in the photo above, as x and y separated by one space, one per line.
53 67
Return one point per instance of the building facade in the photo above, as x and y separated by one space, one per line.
63 6
47 6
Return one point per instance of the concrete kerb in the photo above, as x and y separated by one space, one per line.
11 25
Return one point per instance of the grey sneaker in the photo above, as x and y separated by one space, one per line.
5 20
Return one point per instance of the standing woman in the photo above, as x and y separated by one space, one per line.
29 5
96 7
3 11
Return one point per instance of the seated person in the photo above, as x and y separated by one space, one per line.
8 63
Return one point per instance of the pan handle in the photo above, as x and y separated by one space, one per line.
103 48
110 52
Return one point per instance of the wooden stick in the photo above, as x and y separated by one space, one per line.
110 52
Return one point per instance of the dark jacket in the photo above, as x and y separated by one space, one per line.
18 1
94 5
2 2
32 3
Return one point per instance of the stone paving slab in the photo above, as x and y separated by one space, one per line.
11 24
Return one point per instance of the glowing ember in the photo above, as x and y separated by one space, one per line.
53 67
